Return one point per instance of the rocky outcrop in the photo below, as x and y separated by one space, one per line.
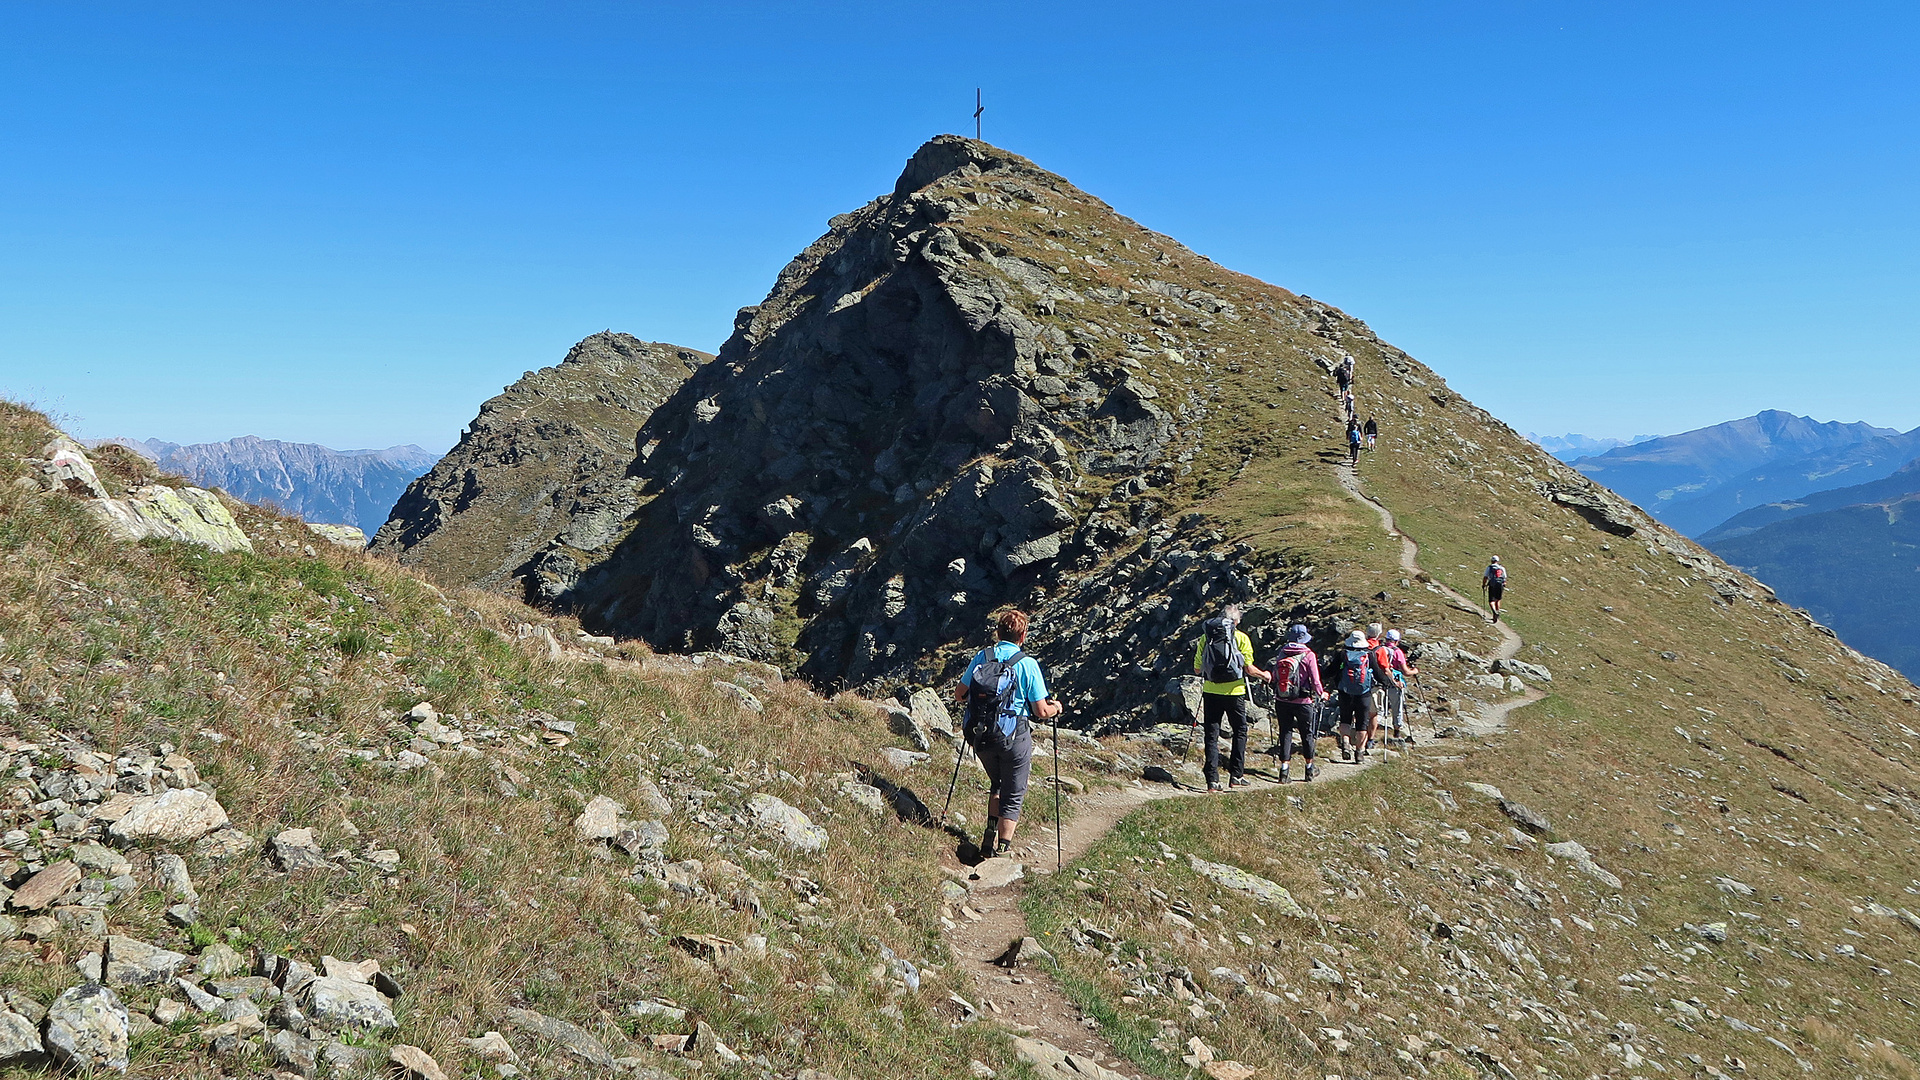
152 511
540 480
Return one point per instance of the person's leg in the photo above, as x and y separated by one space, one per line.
1212 707
1288 714
989 761
1345 732
1020 769
1237 716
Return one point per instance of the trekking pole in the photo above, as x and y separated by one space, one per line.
954 784
1059 845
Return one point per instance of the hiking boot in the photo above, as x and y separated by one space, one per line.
1240 781
1287 777
1212 788
1311 772
1003 850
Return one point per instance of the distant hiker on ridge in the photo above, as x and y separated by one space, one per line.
1296 691
1494 583
1223 660
1343 373
1002 690
1372 431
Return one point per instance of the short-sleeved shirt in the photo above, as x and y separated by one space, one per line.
1029 685
1238 686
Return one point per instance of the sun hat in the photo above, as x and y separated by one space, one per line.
1299 634
1357 640
1393 635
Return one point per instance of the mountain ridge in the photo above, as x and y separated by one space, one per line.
314 482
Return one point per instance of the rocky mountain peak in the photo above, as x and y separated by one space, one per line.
541 470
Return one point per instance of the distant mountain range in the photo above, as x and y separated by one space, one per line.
1827 514
321 485
1675 476
1572 446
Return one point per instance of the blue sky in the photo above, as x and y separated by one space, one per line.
351 223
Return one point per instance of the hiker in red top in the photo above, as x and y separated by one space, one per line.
1297 694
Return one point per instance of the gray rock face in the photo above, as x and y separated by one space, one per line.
173 816
786 823
87 1028
537 489
19 1036
132 962
296 849
1529 819
566 1036
335 1002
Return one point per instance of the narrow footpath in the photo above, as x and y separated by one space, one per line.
1026 999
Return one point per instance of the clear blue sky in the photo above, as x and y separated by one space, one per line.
351 223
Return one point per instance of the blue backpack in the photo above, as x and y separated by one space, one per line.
1356 674
995 713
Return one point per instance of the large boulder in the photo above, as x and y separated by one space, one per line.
786 823
88 1029
174 816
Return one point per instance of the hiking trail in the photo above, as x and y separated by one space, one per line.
1027 999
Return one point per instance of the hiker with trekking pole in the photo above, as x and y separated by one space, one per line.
1361 668
1401 671
1003 692
1223 660
1296 691
1493 582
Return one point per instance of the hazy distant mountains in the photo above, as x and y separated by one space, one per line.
1695 480
324 486
1828 515
1573 446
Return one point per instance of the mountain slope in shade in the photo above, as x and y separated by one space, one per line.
1904 481
1791 479
1660 473
1856 568
543 469
321 485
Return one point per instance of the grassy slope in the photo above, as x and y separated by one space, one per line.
1815 773
494 903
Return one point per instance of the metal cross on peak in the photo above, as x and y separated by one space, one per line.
977 110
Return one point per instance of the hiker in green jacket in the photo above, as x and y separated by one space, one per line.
1223 660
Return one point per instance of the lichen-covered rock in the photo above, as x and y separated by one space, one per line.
338 1002
19 1036
567 1037
600 820
132 962
786 823
346 536
87 1028
173 816
1261 889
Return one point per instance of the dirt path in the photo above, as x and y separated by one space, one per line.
1026 999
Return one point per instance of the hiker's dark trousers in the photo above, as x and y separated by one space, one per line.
1233 708
1296 720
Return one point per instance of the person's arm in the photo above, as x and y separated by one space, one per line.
1034 685
965 684
1199 651
1246 656
1047 708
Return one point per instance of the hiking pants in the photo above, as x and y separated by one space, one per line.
1232 708
1397 708
1008 770
1296 719
1356 716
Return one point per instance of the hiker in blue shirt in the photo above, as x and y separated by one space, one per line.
1007 755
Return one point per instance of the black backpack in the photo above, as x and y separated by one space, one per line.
1220 659
992 700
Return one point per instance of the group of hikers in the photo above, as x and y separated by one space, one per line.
1356 431
1364 690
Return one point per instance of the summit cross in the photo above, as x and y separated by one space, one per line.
977 110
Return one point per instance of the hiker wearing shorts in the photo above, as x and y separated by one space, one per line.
1297 691
1494 583
1397 690
1223 660
1383 679
1359 672
1008 768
